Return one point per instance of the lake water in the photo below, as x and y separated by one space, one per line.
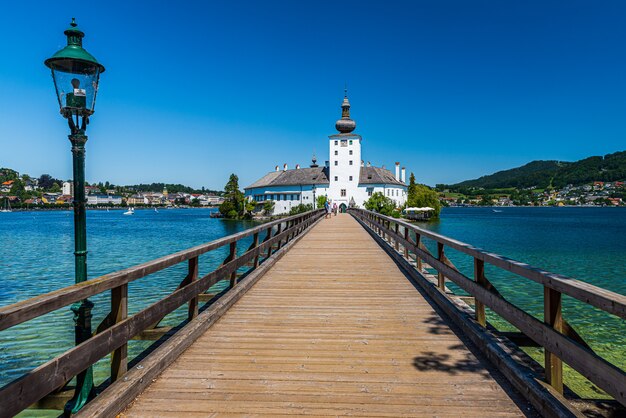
588 244
36 256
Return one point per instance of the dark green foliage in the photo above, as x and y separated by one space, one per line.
268 207
171 188
420 195
544 174
536 173
7 174
301 208
46 181
234 206
380 203
321 200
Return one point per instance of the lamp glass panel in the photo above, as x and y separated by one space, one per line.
76 91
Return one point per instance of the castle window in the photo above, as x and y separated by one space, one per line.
343 192
350 178
350 162
350 142
336 178
350 152
336 152
336 142
336 162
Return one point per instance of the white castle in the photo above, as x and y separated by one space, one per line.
344 179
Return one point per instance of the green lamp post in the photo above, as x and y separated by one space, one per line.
75 73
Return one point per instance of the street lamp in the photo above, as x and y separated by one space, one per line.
314 201
75 73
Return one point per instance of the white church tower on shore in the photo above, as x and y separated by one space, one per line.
344 157
344 180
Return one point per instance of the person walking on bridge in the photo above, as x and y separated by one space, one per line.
327 209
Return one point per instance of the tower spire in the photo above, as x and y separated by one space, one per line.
345 125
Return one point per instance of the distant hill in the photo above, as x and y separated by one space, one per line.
542 174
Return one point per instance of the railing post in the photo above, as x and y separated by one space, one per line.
267 238
406 246
231 256
255 243
193 276
418 260
441 280
396 230
119 312
278 231
479 277
554 319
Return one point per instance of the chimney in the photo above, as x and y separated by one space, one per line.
362 163
276 168
297 166
369 164
398 171
403 178
285 167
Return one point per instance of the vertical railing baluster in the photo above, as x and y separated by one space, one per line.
267 238
553 318
231 256
441 280
397 243
406 244
278 231
255 243
193 276
119 312
479 277
418 260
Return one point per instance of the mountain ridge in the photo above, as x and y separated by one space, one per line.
553 173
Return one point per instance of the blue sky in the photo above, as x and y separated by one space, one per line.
194 91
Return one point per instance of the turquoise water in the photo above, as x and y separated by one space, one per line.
588 244
36 257
36 254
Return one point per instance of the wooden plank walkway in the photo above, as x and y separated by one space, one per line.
334 328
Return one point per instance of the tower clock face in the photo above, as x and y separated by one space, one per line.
344 142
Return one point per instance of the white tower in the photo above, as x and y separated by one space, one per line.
344 158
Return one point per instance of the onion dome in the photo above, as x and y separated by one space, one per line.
345 125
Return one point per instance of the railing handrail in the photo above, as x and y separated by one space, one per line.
559 339
118 327
36 306
606 300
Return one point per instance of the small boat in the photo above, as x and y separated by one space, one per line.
496 210
130 211
155 209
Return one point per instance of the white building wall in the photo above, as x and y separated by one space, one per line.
345 166
283 196
67 188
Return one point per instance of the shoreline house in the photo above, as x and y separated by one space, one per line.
344 179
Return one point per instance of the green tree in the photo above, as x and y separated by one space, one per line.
380 203
234 201
420 195
301 208
55 188
17 188
321 200
268 207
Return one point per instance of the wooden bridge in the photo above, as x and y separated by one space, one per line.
329 317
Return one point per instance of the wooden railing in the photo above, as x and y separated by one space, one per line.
118 328
558 338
